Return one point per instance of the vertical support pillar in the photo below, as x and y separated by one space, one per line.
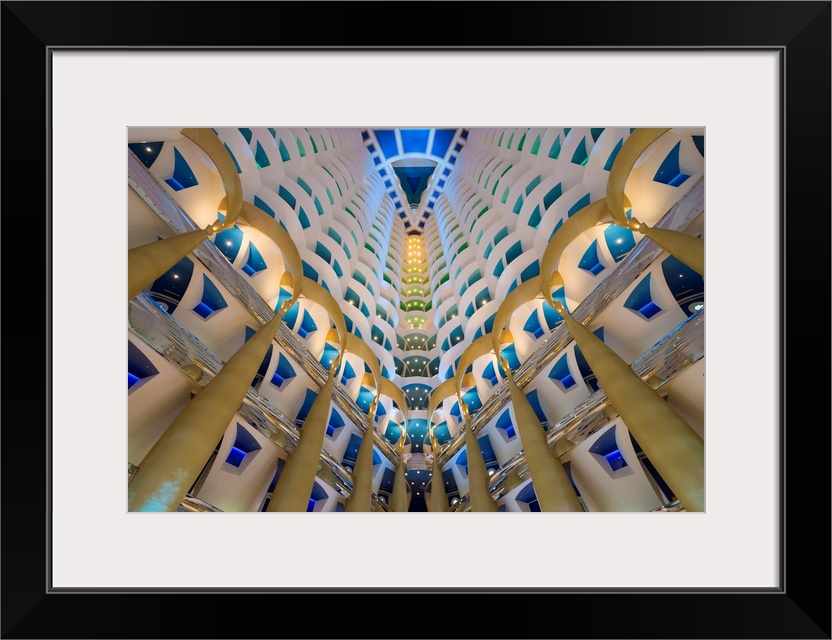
674 448
173 464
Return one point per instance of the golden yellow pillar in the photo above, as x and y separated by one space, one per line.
362 489
478 492
438 495
173 464
551 483
147 262
674 448
399 498
294 486
689 250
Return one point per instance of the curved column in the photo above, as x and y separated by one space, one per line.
551 483
173 464
688 249
674 448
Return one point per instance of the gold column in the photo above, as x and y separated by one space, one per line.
481 499
551 483
687 249
173 464
362 488
438 495
674 448
298 476
148 262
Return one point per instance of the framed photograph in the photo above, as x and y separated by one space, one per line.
755 76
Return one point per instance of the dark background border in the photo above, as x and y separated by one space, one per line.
801 609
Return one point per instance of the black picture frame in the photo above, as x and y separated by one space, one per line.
800 608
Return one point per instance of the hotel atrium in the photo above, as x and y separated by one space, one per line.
416 319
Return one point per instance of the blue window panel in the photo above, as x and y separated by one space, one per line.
235 457
262 205
470 310
365 135
329 195
488 325
669 172
337 269
552 317
510 356
283 372
583 366
139 366
530 187
531 271
555 230
307 326
687 286
183 176
435 195
301 150
446 172
255 262
562 374
352 297
328 356
596 133
613 155
283 192
580 156
620 241
260 157
364 399
580 204
513 252
382 172
534 219
167 290
359 277
528 496
306 406
499 268
591 261
229 242
488 251
482 297
441 432
512 287
533 326
348 373
273 132
472 399
147 152
534 401
456 335
282 295
641 301
452 160
304 221
518 205
441 141
323 252
699 141
389 185
376 160
291 316
318 206
554 152
489 373
455 409
502 233
371 148
464 134
334 235
305 187
607 447
387 139
309 272
284 152
365 310
474 277
246 134
504 421
554 193
212 299
566 130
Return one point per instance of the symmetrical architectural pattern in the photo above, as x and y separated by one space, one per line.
507 319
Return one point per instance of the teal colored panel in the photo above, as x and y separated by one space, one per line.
284 152
233 159
554 193
260 157
613 155
580 156
580 204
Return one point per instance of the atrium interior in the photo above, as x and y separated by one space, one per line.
416 319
